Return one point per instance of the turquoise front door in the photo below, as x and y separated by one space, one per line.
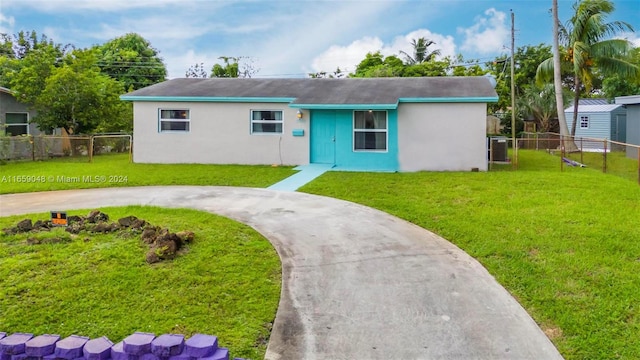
323 137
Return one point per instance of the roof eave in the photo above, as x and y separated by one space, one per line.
206 99
345 106
481 99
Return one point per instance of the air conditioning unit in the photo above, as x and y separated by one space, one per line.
499 146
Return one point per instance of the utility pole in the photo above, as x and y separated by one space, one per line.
513 95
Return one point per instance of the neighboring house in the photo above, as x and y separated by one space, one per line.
591 101
494 125
378 124
600 121
15 116
632 104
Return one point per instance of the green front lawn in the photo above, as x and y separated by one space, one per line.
116 170
226 283
565 244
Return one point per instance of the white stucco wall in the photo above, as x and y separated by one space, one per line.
442 137
220 133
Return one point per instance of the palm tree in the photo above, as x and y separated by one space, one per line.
540 103
557 79
587 48
420 53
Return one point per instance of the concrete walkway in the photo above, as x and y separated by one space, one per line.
357 283
305 175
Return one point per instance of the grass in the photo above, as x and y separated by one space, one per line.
617 163
227 283
565 244
116 170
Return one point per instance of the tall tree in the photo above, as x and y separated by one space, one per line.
196 71
235 67
557 75
132 60
617 85
376 65
15 48
540 103
228 70
588 47
74 96
337 74
526 59
420 52
28 78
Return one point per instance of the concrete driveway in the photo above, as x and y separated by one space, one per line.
357 283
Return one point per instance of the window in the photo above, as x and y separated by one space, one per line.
266 121
370 130
174 120
17 124
584 122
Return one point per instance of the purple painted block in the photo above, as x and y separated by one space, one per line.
14 344
149 356
167 345
138 343
41 345
19 356
2 335
182 356
97 349
220 354
117 353
200 345
70 348
49 357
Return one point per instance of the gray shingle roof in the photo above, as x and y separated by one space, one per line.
324 91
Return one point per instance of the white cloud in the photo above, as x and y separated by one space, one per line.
347 57
6 24
444 43
488 35
289 49
96 5
634 38
179 63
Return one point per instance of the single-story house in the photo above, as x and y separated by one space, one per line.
376 124
599 121
632 104
15 116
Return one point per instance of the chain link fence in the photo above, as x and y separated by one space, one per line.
44 147
611 157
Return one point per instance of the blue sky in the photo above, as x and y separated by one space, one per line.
290 38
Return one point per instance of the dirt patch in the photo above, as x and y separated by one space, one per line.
163 244
553 332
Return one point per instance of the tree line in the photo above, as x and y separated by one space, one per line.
79 89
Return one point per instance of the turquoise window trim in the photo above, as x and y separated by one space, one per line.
207 99
450 100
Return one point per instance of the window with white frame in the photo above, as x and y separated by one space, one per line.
370 130
584 122
266 121
170 120
16 124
